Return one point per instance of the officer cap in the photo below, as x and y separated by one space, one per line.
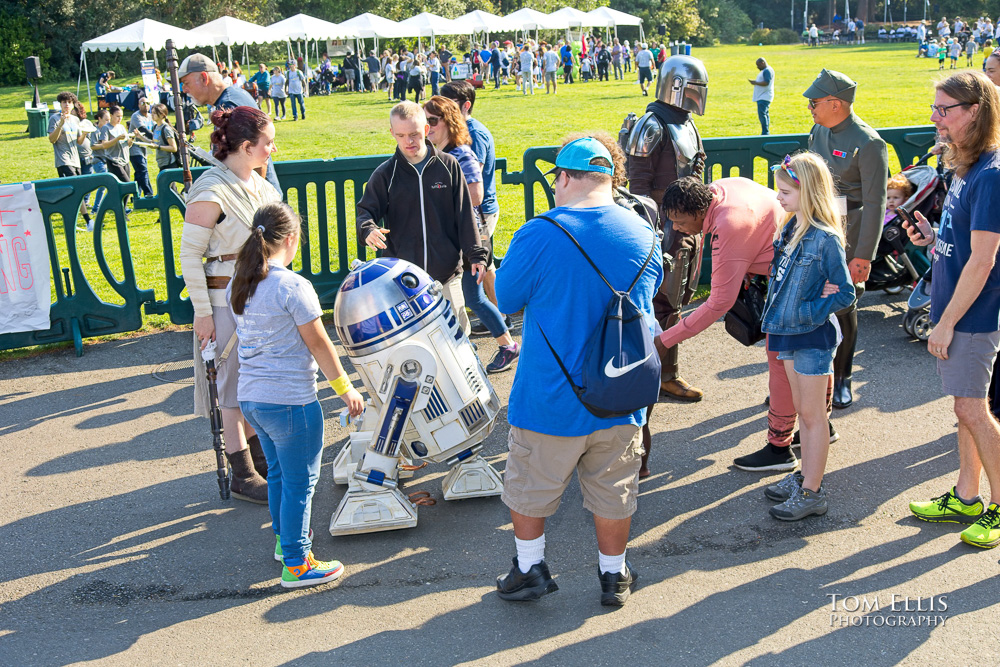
833 84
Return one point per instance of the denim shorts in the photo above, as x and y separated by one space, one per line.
812 361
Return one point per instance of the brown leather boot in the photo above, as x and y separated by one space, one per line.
680 390
257 454
247 484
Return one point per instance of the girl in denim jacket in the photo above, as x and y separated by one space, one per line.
809 283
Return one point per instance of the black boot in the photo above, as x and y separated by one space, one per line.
842 396
257 454
247 484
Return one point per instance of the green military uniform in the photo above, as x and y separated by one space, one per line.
859 162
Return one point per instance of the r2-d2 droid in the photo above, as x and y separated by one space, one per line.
429 396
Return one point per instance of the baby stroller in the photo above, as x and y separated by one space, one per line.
917 321
894 267
323 84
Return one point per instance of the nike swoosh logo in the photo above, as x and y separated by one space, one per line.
613 371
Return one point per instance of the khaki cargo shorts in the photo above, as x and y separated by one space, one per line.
539 468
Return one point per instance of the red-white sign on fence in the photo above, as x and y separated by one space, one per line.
25 292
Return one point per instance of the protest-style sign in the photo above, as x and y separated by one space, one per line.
25 290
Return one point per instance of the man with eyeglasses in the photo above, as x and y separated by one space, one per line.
965 297
858 158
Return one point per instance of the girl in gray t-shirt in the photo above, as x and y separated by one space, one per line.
281 342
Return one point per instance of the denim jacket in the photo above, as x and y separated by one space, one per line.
795 304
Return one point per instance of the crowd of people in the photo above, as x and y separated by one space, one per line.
632 215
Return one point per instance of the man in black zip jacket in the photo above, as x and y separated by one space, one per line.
422 201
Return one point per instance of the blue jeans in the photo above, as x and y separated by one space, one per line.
292 439
435 77
476 299
141 174
277 101
764 115
99 167
810 362
297 96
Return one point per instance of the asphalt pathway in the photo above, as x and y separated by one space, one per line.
117 549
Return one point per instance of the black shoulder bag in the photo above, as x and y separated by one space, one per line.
744 319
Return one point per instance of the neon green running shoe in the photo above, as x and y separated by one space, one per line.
278 555
984 533
947 508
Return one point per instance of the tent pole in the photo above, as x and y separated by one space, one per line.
83 55
90 102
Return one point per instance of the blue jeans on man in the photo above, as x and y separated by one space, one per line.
297 97
764 115
141 174
292 439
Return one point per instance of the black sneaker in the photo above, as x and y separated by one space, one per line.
504 359
480 329
769 458
615 586
520 586
834 437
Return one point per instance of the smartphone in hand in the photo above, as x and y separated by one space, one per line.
905 214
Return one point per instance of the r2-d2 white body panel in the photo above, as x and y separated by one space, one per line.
429 396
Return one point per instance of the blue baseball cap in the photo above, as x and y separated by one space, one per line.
577 154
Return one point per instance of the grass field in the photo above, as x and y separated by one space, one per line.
895 89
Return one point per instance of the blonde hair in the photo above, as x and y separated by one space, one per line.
817 203
407 110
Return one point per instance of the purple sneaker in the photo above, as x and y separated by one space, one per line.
504 358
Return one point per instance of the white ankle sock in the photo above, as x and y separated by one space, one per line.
611 563
529 552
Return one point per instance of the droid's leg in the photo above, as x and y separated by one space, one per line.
471 476
373 501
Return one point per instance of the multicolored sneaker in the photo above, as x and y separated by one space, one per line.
984 533
504 358
947 509
310 572
278 555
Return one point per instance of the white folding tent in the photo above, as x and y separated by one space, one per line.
227 31
373 26
569 17
527 19
306 28
426 24
478 22
607 18
144 35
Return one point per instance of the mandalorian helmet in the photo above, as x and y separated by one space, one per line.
683 83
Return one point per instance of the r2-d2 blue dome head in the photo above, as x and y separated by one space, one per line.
384 302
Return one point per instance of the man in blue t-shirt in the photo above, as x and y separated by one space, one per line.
965 297
202 82
561 294
483 146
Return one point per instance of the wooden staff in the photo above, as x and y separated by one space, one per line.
181 126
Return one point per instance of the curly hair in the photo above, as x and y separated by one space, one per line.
235 125
901 183
688 195
449 113
620 175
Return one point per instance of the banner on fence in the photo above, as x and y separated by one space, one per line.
25 291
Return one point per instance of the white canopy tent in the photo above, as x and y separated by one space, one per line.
374 27
144 35
569 17
607 18
527 19
478 22
228 31
426 24
306 28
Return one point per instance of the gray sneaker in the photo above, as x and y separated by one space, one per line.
803 503
783 490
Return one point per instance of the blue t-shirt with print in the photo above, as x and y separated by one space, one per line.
562 295
971 205
483 147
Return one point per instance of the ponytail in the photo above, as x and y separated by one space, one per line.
272 224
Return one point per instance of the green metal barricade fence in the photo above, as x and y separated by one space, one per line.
315 188
78 312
